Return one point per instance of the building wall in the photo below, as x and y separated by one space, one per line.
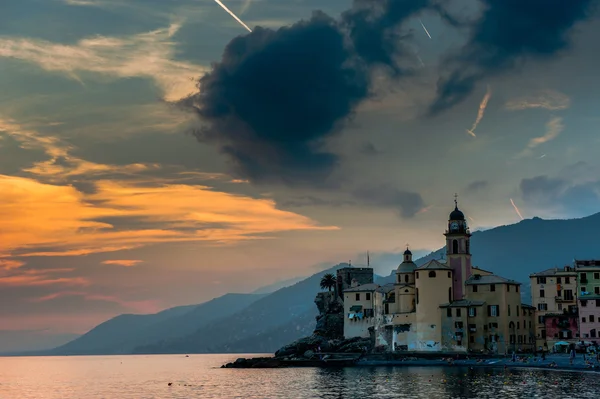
359 327
561 281
405 299
588 280
557 325
363 275
431 293
472 334
589 330
509 322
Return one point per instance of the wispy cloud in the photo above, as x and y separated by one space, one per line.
548 99
36 278
482 106
554 128
146 306
122 262
149 55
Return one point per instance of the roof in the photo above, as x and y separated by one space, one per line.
362 288
482 270
456 214
406 267
463 303
386 288
477 279
526 306
555 271
433 265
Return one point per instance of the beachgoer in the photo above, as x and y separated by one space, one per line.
572 355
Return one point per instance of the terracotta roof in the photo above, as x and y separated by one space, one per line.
433 265
365 287
491 279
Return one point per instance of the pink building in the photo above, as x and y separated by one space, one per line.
589 317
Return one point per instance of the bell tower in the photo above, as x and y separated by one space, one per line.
458 250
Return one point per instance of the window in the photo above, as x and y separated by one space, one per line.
449 275
583 303
591 318
417 274
583 289
449 312
368 296
455 247
458 324
417 293
558 280
512 338
583 320
567 280
518 325
492 287
432 273
568 295
517 288
508 309
458 312
560 306
520 337
597 290
542 293
493 311
472 339
472 312
596 276
583 277
475 288
507 287
406 278
543 334
517 310
593 333
541 319
529 324
597 302
558 292
542 306
358 297
541 280
450 294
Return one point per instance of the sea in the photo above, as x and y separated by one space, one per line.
200 376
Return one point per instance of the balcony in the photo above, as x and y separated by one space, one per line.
561 299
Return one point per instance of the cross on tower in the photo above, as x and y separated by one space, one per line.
456 200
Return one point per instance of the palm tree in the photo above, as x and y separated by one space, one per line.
328 281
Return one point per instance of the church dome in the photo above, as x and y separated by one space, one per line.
406 267
456 214
407 252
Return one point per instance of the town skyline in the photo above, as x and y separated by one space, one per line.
123 190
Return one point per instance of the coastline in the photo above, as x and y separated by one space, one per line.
554 362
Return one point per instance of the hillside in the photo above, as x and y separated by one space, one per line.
281 310
120 335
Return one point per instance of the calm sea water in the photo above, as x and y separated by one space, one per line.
199 376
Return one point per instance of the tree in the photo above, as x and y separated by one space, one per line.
328 281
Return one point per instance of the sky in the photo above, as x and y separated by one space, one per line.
156 153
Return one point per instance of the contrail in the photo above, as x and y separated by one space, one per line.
516 209
233 15
245 6
482 107
424 28
542 156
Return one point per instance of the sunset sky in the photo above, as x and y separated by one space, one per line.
123 189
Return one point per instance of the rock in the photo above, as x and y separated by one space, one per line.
309 354
330 325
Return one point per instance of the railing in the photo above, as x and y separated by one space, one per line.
563 299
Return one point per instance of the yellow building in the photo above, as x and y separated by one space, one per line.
443 305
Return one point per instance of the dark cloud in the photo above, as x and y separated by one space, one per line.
477 185
309 200
406 203
369 148
507 34
276 95
580 198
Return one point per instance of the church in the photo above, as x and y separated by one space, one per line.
443 305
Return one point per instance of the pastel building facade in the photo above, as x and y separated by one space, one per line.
554 295
588 280
444 305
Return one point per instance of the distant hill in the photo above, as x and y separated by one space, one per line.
282 310
280 284
120 335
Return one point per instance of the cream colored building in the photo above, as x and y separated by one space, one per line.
554 294
443 305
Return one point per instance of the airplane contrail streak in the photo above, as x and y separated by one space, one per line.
516 209
424 28
481 112
233 15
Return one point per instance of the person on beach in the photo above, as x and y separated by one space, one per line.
572 355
